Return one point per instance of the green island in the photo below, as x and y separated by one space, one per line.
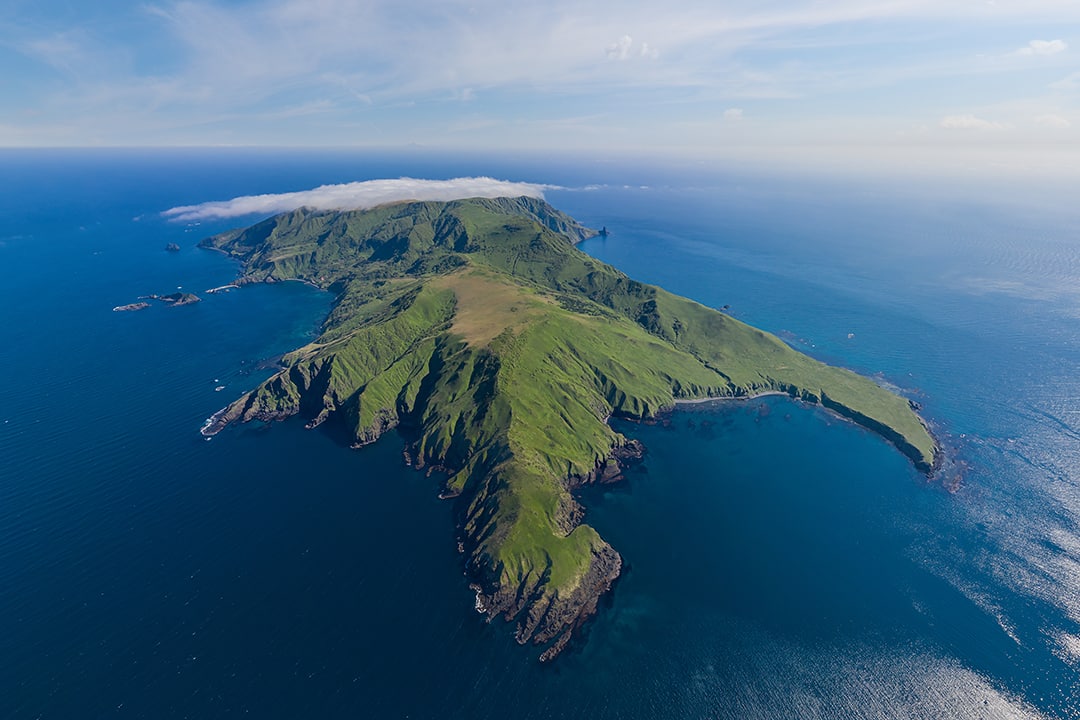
500 351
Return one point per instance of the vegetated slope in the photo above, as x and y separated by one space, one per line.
502 350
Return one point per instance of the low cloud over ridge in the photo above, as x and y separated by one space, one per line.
357 196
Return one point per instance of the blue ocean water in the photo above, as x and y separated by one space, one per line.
779 562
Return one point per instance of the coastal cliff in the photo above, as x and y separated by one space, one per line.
501 351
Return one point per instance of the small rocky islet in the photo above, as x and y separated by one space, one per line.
175 299
131 307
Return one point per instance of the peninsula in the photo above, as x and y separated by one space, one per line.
501 350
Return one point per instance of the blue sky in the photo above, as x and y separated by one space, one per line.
682 76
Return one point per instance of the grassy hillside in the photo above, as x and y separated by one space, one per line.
502 350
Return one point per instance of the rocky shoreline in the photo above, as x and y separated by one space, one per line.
548 618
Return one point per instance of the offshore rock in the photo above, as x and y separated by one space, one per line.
132 307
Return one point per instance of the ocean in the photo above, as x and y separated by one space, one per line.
779 562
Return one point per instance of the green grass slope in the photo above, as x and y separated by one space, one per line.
478 328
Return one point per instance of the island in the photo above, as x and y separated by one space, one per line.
500 351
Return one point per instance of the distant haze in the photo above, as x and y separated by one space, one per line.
357 196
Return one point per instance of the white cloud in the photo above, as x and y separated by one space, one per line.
1044 47
620 50
733 114
1053 121
624 49
969 122
358 196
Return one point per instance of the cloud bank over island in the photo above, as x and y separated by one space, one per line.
358 196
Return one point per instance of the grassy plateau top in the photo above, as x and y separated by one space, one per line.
501 351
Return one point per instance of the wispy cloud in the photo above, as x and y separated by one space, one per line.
1053 120
343 72
358 196
969 122
1067 84
63 51
1043 47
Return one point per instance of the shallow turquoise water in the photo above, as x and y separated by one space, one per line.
780 563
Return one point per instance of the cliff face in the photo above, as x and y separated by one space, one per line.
502 350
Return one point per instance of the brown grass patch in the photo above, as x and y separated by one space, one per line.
487 305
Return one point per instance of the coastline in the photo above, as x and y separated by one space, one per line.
727 398
242 279
929 469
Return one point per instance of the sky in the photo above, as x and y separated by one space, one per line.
683 76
